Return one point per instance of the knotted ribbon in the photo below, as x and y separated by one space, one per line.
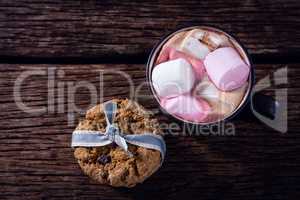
113 134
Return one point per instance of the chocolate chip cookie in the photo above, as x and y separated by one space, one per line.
110 164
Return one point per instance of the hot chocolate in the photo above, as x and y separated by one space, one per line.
200 75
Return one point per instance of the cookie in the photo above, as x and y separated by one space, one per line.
110 164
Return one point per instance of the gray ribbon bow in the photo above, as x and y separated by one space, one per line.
112 134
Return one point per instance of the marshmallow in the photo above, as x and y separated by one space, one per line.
164 55
173 77
194 47
211 38
196 33
187 107
197 64
207 90
222 103
216 40
226 68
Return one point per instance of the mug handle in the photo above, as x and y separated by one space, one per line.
271 112
264 105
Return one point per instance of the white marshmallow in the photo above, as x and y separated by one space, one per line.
194 47
196 33
199 34
207 90
218 40
173 77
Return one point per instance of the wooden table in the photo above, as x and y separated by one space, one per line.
74 40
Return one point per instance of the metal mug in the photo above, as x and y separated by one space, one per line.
264 105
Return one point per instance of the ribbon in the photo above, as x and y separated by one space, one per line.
113 134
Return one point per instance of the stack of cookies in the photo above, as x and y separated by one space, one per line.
110 164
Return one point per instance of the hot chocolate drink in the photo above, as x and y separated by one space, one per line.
200 75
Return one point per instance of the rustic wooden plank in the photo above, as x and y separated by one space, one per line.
106 29
36 160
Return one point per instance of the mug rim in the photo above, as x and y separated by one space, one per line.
157 48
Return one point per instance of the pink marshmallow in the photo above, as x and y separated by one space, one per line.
187 107
197 64
226 68
163 56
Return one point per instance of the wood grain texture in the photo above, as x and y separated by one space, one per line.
101 29
36 161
